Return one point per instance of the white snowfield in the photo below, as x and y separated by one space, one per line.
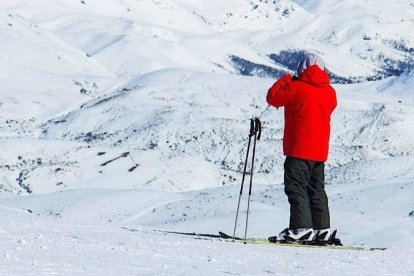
121 118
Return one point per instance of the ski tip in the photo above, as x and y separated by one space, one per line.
225 236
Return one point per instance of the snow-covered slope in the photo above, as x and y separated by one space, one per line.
187 132
401 87
134 114
41 74
356 38
46 243
33 244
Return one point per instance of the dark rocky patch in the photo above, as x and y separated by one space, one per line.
247 68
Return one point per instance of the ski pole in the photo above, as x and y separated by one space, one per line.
251 133
257 134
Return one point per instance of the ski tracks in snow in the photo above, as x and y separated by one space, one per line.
147 210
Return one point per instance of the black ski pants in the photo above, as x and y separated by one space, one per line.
305 189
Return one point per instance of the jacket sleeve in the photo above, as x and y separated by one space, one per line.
280 94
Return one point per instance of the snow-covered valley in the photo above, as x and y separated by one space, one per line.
119 118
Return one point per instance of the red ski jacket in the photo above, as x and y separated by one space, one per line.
309 102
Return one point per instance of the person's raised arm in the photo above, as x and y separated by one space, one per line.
281 92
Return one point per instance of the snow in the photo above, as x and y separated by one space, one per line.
86 82
69 243
400 87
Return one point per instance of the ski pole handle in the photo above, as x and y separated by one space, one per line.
252 128
258 127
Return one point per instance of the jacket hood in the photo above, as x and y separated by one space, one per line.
308 61
315 76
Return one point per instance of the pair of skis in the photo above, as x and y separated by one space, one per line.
271 241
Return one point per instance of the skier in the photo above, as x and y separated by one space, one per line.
308 100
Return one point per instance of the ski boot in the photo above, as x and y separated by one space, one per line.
323 237
301 235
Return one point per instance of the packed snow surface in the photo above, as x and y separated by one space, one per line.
121 118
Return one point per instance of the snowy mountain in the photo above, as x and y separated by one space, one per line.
123 114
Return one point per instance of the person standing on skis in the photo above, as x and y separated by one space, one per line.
308 102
